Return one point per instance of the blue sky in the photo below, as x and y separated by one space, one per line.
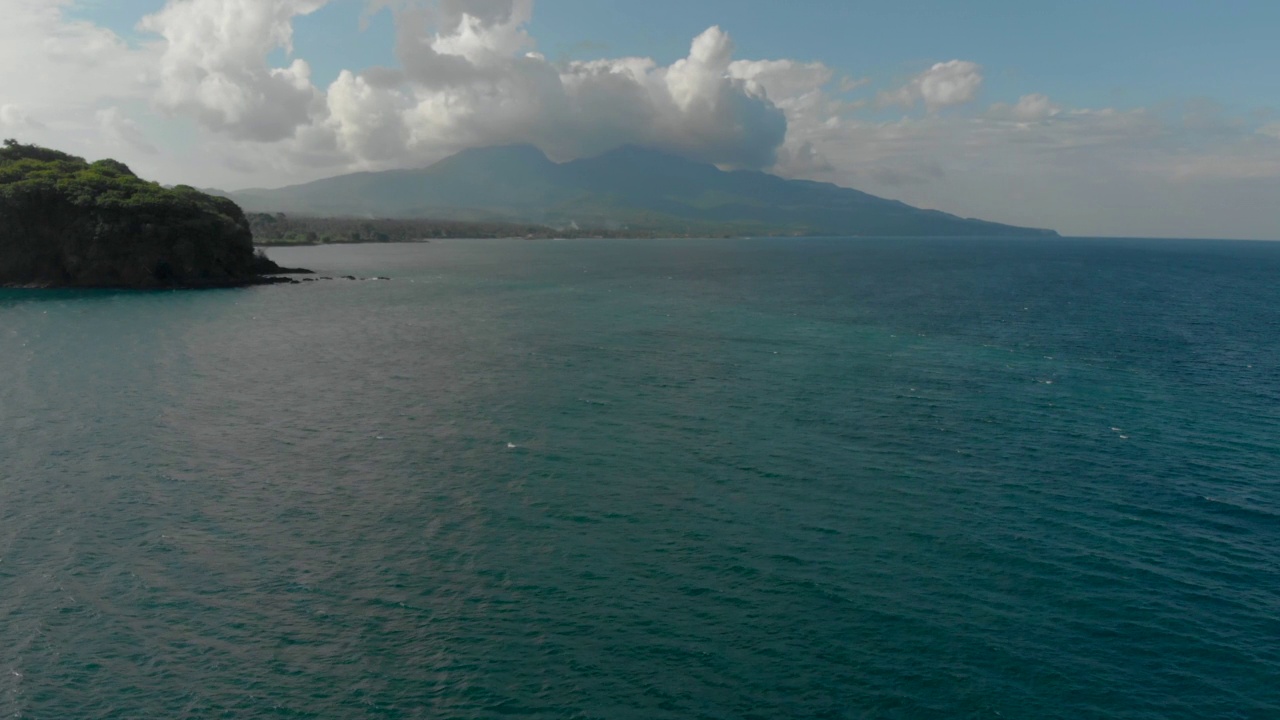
1089 53
1134 118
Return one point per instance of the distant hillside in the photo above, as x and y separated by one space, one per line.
276 229
629 187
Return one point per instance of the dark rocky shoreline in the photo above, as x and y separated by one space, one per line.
67 223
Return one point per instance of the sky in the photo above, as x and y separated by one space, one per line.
1139 118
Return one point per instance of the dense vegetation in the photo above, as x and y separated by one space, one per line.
70 223
281 229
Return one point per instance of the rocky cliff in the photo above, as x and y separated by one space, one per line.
67 223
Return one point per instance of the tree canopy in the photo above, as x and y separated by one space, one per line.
66 221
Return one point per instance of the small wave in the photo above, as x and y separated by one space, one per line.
1236 509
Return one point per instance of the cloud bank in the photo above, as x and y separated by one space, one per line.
468 76
214 66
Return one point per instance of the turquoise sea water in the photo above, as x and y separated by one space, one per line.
652 479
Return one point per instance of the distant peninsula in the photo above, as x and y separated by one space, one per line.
630 192
65 222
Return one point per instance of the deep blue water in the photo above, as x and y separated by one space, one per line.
653 479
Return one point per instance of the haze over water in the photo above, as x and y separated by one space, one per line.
653 479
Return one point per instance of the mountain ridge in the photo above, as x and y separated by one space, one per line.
627 187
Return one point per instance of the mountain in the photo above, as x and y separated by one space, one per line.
67 223
629 187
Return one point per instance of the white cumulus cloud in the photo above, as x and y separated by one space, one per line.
53 64
473 79
955 82
214 66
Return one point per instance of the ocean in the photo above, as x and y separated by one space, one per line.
772 478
